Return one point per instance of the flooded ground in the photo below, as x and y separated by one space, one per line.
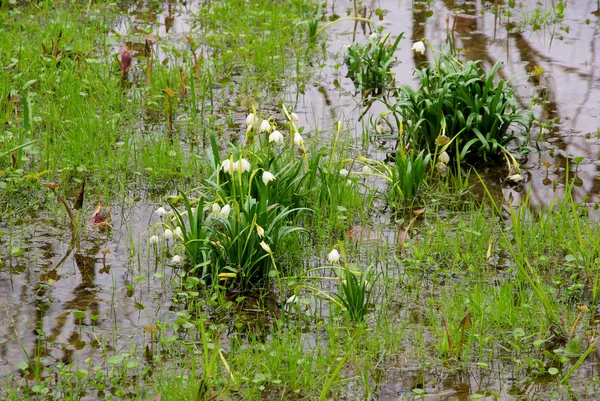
565 47
112 278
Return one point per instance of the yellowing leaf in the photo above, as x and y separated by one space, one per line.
170 92
537 71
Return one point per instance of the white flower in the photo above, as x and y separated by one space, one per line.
380 129
344 172
349 182
260 231
226 210
160 212
227 166
267 177
154 239
176 260
374 37
168 234
334 256
444 158
244 165
251 119
178 232
515 178
292 300
265 246
265 126
442 168
216 208
298 140
366 170
295 117
419 47
275 136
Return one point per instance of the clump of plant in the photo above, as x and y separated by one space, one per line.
405 177
233 235
369 64
475 108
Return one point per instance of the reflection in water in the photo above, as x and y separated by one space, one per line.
37 318
555 59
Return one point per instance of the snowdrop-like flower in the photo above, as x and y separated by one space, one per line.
366 170
225 210
216 208
275 136
227 166
442 168
267 177
418 47
298 140
168 234
515 178
334 256
260 231
374 37
160 212
265 126
344 172
244 165
295 117
176 260
178 232
153 240
251 119
292 300
349 182
265 246
380 129
444 158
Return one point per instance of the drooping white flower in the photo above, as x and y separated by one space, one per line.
260 231
295 117
160 212
226 210
178 232
265 246
442 168
216 208
267 177
176 260
227 166
244 165
251 119
444 158
265 126
418 47
349 182
366 170
344 172
334 256
154 240
275 136
380 129
168 234
515 178
292 300
298 140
